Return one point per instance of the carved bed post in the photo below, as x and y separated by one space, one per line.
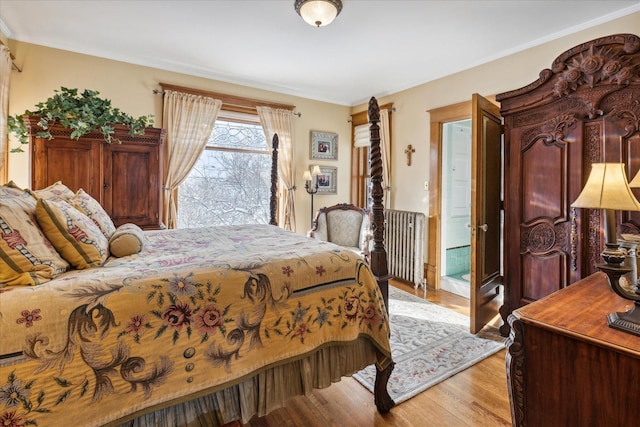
273 201
378 256
379 253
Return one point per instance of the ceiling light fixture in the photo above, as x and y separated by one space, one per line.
318 12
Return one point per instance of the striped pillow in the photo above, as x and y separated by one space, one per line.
78 239
91 208
56 190
26 256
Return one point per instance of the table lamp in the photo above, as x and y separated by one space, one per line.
607 189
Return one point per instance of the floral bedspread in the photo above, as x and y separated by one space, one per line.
197 310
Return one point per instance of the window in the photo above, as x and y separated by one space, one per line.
230 182
360 168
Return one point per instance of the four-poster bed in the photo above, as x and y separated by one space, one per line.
202 327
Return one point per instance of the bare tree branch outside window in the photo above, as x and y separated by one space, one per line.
229 185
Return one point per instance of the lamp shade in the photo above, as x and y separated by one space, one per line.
607 188
318 12
635 182
306 176
316 170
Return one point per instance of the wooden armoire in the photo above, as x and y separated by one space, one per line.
585 109
125 177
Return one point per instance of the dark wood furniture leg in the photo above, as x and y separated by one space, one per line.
378 256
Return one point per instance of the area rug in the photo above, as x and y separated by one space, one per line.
429 344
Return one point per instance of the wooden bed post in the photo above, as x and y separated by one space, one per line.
379 253
273 201
378 256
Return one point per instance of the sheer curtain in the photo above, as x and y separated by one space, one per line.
385 142
5 77
189 120
280 121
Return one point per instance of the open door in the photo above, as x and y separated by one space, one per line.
486 224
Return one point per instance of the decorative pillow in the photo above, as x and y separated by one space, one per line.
26 256
11 190
127 240
78 239
12 184
91 208
55 191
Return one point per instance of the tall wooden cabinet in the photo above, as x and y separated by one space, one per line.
585 109
126 177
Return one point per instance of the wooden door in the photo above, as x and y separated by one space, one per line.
78 164
486 196
132 183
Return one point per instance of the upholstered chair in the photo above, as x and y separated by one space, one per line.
345 225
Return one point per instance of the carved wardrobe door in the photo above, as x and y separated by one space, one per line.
581 111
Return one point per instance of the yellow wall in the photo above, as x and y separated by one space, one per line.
411 120
130 88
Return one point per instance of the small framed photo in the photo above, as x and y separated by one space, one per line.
324 145
328 180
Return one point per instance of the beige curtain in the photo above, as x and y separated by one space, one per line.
5 77
280 121
385 138
189 120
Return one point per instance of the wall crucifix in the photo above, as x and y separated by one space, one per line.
409 151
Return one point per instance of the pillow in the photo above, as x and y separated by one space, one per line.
127 240
26 256
91 208
12 184
10 190
55 191
78 239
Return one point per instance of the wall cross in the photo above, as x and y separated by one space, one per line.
409 151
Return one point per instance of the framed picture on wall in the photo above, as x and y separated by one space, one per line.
324 145
328 180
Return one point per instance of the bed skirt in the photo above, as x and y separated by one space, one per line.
266 391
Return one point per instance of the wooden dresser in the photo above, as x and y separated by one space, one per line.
567 367
125 178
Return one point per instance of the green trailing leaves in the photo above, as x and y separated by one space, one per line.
81 113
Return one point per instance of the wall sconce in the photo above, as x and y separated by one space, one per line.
311 184
607 189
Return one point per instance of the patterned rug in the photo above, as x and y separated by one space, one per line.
429 344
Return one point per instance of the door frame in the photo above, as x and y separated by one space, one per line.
439 116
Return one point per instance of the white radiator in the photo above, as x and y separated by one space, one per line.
404 241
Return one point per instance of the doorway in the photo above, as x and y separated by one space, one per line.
448 206
456 208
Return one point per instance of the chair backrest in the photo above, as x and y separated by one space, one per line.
343 224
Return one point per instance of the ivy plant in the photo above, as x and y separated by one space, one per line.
82 113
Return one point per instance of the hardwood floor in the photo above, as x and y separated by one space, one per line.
474 397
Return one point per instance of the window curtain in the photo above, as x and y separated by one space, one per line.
385 143
189 120
5 77
280 121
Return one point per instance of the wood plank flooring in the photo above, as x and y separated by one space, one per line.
475 397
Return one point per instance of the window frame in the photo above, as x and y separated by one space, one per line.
230 116
360 170
231 103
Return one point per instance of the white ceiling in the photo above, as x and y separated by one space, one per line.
373 48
